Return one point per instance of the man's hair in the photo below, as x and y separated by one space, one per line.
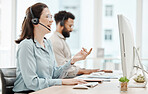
63 15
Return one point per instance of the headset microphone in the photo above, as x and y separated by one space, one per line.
35 21
44 26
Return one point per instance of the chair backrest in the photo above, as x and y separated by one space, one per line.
8 76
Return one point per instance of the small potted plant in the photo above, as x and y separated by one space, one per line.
139 79
123 83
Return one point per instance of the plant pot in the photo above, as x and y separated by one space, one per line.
123 86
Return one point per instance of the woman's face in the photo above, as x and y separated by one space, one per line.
46 19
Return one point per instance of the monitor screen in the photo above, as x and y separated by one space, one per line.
126 45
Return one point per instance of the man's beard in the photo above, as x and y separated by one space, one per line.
65 33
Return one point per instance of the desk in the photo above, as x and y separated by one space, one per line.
103 88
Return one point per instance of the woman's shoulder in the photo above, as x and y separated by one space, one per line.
48 41
26 42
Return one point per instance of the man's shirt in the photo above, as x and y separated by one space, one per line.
62 52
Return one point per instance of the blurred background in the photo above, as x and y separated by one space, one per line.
95 26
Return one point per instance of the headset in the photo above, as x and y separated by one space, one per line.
62 22
35 21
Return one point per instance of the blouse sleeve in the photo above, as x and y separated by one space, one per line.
27 63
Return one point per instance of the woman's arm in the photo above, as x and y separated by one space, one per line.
27 64
61 72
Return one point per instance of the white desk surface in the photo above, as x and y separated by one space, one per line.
103 88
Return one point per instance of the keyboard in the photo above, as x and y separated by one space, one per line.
103 77
136 85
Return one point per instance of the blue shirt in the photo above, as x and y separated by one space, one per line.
36 67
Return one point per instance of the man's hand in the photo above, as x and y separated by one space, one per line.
81 55
87 71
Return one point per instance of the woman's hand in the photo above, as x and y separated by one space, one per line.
81 55
73 81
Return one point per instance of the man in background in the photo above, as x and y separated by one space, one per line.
64 25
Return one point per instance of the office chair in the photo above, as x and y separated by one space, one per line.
8 76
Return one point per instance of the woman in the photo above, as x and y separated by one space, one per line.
36 65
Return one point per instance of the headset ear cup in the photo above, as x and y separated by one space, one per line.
35 21
62 23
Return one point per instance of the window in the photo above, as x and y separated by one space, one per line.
72 6
108 10
108 34
110 24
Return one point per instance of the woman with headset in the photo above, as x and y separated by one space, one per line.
36 65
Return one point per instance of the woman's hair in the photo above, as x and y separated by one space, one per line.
27 26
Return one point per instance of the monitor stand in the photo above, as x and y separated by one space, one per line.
137 66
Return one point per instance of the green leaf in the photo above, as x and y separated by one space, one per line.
123 79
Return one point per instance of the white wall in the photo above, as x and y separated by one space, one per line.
5 46
86 23
145 30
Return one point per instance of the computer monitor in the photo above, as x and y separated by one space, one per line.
127 45
130 59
